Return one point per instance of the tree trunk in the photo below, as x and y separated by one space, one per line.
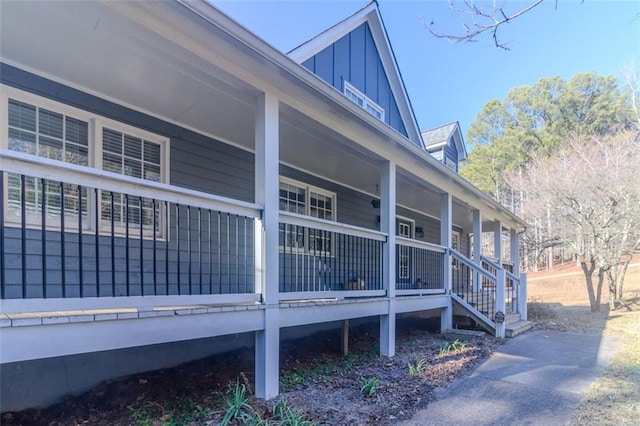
620 290
599 290
588 275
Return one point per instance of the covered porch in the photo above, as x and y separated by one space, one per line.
222 189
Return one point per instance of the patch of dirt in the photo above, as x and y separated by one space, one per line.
316 380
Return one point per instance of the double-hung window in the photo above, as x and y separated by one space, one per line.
45 128
363 101
297 197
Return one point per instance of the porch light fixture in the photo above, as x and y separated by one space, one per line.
419 232
375 203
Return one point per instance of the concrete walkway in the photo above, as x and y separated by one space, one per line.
536 379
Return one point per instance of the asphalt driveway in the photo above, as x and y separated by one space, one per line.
537 379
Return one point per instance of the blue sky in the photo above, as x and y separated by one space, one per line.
448 82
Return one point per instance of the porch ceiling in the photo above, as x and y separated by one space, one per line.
102 52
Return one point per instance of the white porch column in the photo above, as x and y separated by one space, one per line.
388 226
497 241
266 245
521 302
446 316
500 276
515 250
477 249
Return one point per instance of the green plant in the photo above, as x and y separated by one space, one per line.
417 367
349 360
456 345
237 403
370 386
184 412
290 379
288 416
145 414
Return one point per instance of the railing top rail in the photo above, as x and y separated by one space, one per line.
494 260
491 262
46 168
512 276
462 258
420 244
327 225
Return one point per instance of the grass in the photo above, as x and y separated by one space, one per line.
614 399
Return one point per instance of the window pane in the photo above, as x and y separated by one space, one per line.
112 141
50 148
77 131
50 123
22 141
132 147
132 168
152 152
22 115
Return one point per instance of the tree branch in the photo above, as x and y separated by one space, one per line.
483 20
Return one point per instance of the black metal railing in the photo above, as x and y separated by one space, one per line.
66 240
316 256
480 296
511 283
419 266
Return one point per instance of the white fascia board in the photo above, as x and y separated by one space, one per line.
437 146
331 35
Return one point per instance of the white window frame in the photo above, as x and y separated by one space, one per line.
404 252
96 124
307 209
363 101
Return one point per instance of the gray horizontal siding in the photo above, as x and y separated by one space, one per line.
197 162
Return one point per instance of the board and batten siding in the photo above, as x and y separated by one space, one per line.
354 58
451 152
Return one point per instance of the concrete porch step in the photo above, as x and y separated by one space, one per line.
519 327
511 318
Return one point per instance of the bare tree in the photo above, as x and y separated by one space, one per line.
632 81
592 192
480 18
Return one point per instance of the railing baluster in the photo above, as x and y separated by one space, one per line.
63 257
200 249
228 252
210 252
126 243
113 244
141 225
97 235
178 247
80 244
246 260
3 293
155 251
23 233
44 237
237 257
189 247
219 256
166 251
